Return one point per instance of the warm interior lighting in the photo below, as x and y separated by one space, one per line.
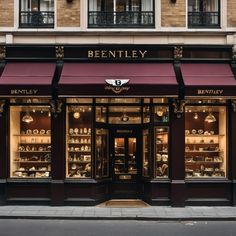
160 111
27 118
195 116
124 117
76 115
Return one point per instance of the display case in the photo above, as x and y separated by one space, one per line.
125 163
102 163
30 142
146 153
161 152
205 142
79 142
161 113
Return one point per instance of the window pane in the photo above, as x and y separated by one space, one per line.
205 141
30 142
146 153
101 114
79 125
161 114
161 150
124 115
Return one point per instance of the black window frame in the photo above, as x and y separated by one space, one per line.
201 19
35 19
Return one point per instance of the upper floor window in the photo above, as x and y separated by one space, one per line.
204 13
36 13
120 13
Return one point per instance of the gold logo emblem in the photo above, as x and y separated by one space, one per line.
116 85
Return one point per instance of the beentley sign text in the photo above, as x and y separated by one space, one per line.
117 54
210 91
24 91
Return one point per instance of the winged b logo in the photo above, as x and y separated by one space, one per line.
116 85
117 82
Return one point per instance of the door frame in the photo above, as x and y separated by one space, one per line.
126 132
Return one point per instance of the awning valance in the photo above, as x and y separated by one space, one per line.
105 79
208 79
27 79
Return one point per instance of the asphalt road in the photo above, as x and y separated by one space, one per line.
114 228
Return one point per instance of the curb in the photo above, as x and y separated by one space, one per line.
109 218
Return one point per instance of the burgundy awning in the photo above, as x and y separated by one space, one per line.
144 79
27 79
208 79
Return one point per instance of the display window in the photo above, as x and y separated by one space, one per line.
79 141
30 141
101 114
205 141
161 152
102 163
161 113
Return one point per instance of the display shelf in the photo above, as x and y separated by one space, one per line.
32 135
204 135
202 151
79 135
34 162
79 162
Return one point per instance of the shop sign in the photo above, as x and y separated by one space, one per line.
24 91
210 91
117 54
117 85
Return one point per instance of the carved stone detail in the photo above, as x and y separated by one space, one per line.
56 107
234 52
2 104
60 52
178 52
178 107
234 105
2 52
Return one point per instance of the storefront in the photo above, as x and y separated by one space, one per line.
117 123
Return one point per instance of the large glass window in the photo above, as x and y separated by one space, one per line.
36 13
205 141
204 13
146 152
119 13
79 141
30 141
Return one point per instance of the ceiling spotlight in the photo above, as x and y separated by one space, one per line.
27 118
195 116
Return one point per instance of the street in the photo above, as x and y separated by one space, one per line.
20 227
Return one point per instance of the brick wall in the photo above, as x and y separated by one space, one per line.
231 10
68 14
173 15
6 13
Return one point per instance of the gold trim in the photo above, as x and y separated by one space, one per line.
2 52
179 107
113 96
178 52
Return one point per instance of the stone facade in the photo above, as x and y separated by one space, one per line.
231 10
6 13
68 14
173 14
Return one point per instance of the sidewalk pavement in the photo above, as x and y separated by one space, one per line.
156 213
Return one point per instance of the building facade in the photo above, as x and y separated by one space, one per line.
106 99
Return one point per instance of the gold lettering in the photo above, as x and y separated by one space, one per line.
142 53
104 54
112 54
90 54
210 91
134 54
97 54
120 52
127 55
24 91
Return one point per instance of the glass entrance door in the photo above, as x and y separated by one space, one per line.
125 165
